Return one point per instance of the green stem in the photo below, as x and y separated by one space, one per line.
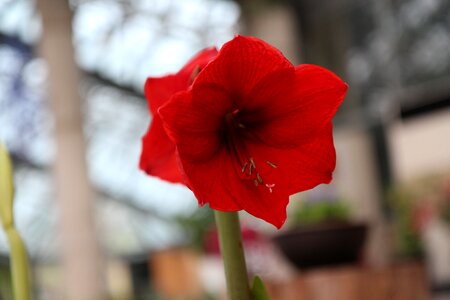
19 259
19 266
233 255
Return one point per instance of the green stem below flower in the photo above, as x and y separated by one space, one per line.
233 255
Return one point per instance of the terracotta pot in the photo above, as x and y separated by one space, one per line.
175 273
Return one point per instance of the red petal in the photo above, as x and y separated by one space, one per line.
260 202
292 106
215 182
158 157
313 162
199 61
159 89
209 181
310 164
158 154
193 126
241 63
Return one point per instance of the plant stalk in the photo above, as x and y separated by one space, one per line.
233 255
19 266
19 259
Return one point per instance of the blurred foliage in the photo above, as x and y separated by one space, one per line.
407 239
446 212
320 211
414 205
5 283
196 226
446 206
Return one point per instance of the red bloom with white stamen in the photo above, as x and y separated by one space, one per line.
253 129
158 156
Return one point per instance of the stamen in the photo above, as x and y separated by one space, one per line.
250 169
252 162
243 167
259 178
255 182
240 125
271 164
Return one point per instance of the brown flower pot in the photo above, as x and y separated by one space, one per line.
323 244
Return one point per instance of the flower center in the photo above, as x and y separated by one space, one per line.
234 133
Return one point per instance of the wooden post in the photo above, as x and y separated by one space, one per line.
80 256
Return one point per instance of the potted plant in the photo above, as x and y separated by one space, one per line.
322 234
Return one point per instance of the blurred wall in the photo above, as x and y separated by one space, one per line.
421 146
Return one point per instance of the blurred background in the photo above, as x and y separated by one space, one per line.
72 113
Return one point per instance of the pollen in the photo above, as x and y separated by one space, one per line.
252 162
251 173
250 169
271 164
259 178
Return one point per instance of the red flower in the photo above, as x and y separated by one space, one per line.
158 157
253 129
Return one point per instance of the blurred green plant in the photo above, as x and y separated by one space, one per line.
196 226
413 205
446 212
407 239
5 283
19 258
320 211
446 205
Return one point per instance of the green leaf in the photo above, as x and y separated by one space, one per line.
259 291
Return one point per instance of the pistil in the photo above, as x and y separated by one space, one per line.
232 132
